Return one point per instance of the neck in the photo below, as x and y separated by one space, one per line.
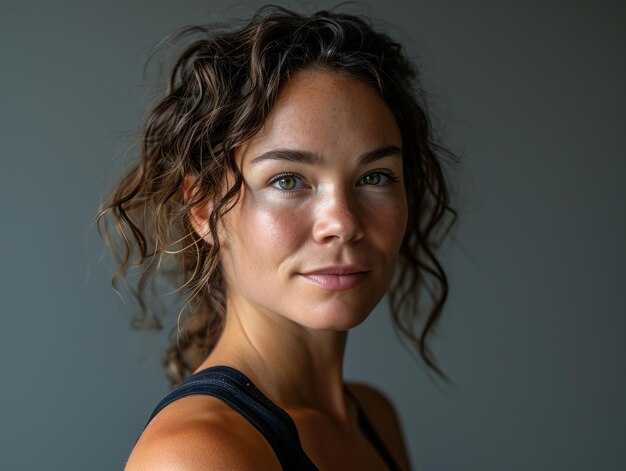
297 367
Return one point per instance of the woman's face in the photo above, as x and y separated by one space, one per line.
315 234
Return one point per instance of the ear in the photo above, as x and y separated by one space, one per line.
199 214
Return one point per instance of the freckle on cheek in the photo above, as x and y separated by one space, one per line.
277 224
271 227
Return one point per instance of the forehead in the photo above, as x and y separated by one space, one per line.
326 113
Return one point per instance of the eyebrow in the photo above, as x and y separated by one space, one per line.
313 158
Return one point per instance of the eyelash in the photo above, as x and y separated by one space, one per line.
391 179
280 176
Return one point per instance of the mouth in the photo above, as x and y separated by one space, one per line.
337 278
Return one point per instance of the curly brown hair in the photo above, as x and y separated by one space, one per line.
220 91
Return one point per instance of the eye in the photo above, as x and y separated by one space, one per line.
287 182
378 178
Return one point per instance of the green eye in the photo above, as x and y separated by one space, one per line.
287 183
377 179
372 179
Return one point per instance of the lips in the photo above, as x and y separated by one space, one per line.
337 278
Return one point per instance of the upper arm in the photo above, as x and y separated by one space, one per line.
213 443
185 450
383 417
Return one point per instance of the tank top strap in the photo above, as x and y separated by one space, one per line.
238 392
374 438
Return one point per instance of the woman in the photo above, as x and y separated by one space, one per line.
289 169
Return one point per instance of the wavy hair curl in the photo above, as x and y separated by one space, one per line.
220 91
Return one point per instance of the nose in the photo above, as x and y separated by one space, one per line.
337 218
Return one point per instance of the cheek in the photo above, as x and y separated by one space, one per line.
388 222
271 230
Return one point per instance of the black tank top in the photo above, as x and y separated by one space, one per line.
237 391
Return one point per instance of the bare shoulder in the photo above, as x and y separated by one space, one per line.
200 433
384 418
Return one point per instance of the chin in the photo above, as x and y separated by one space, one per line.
340 318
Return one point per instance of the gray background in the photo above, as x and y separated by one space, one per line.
530 94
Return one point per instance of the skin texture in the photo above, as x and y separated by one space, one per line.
286 328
